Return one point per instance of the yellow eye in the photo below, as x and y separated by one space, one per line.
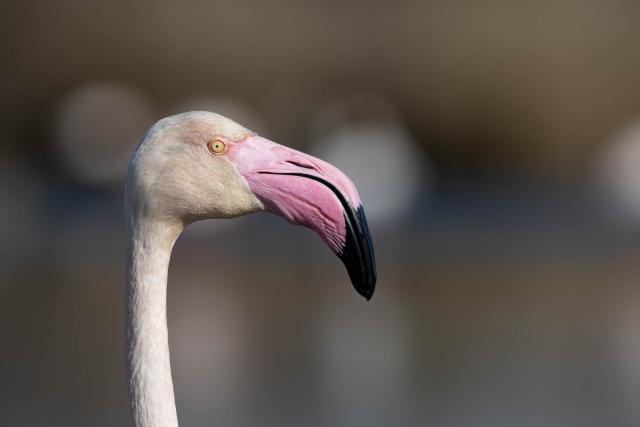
217 146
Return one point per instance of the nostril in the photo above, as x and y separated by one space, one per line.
300 165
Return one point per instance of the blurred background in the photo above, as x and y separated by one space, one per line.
496 145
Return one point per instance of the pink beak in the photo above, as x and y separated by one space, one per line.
307 191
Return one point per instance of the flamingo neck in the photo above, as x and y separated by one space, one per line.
148 367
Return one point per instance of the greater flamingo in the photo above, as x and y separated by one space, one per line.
201 165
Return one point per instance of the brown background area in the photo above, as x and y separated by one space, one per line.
508 291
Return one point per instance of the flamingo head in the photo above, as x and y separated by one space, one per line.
201 165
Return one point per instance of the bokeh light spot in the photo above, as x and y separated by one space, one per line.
97 127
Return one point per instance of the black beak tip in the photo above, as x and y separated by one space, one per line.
358 256
365 286
363 279
367 292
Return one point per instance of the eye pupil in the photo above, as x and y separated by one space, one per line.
217 146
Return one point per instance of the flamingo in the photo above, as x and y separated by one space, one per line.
201 165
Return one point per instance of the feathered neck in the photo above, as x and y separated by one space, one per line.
148 367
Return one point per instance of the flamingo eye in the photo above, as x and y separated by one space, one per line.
217 146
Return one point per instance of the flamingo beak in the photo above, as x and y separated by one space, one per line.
310 192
